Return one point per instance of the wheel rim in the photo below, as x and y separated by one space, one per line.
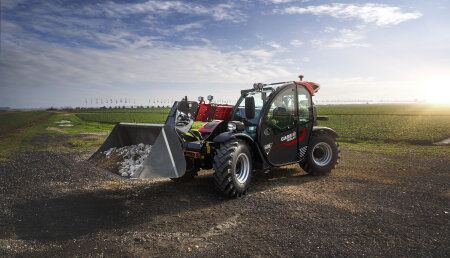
242 168
322 154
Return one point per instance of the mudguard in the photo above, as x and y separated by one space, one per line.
259 161
323 129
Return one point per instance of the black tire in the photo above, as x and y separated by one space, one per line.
233 168
191 172
322 156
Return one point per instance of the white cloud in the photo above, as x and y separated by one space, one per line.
274 45
219 12
281 1
296 43
183 27
379 14
306 59
45 65
346 38
287 1
329 29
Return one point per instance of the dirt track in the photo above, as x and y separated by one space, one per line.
59 205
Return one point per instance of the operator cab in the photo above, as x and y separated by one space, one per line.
282 120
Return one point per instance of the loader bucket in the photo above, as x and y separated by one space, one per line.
166 158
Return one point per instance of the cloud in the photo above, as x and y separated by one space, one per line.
42 65
281 1
379 14
189 26
274 45
11 4
296 43
346 38
225 11
329 29
287 1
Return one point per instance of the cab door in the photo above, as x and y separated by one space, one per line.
279 131
304 120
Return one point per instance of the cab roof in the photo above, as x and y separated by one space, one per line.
312 87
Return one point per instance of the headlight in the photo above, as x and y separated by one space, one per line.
231 127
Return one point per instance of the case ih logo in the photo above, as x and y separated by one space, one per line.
288 138
267 148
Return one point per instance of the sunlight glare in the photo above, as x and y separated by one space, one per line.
439 92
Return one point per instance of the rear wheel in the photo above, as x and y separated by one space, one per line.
322 156
233 168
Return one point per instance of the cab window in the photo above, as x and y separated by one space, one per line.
240 112
304 104
281 113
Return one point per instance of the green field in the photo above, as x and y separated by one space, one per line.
152 116
13 120
369 125
386 109
415 124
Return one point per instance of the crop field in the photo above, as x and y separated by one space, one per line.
386 109
382 125
152 116
12 120
414 124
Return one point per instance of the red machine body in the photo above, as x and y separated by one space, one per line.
209 112
311 86
203 112
222 112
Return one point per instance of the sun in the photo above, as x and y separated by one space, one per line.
438 93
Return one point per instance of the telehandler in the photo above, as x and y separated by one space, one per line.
271 125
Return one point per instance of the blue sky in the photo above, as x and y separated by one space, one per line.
59 53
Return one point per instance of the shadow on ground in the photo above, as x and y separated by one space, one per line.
79 213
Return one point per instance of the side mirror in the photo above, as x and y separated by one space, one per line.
250 107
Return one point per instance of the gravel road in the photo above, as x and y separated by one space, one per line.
55 204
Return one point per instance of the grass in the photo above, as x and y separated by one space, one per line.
398 149
22 140
389 129
13 120
414 124
115 185
386 109
151 116
393 163
76 142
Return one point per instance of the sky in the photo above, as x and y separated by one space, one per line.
69 53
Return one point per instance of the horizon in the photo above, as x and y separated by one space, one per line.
65 53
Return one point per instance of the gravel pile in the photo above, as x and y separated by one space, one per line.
130 158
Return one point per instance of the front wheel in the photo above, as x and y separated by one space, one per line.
233 168
322 156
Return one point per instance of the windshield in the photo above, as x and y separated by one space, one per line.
259 103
